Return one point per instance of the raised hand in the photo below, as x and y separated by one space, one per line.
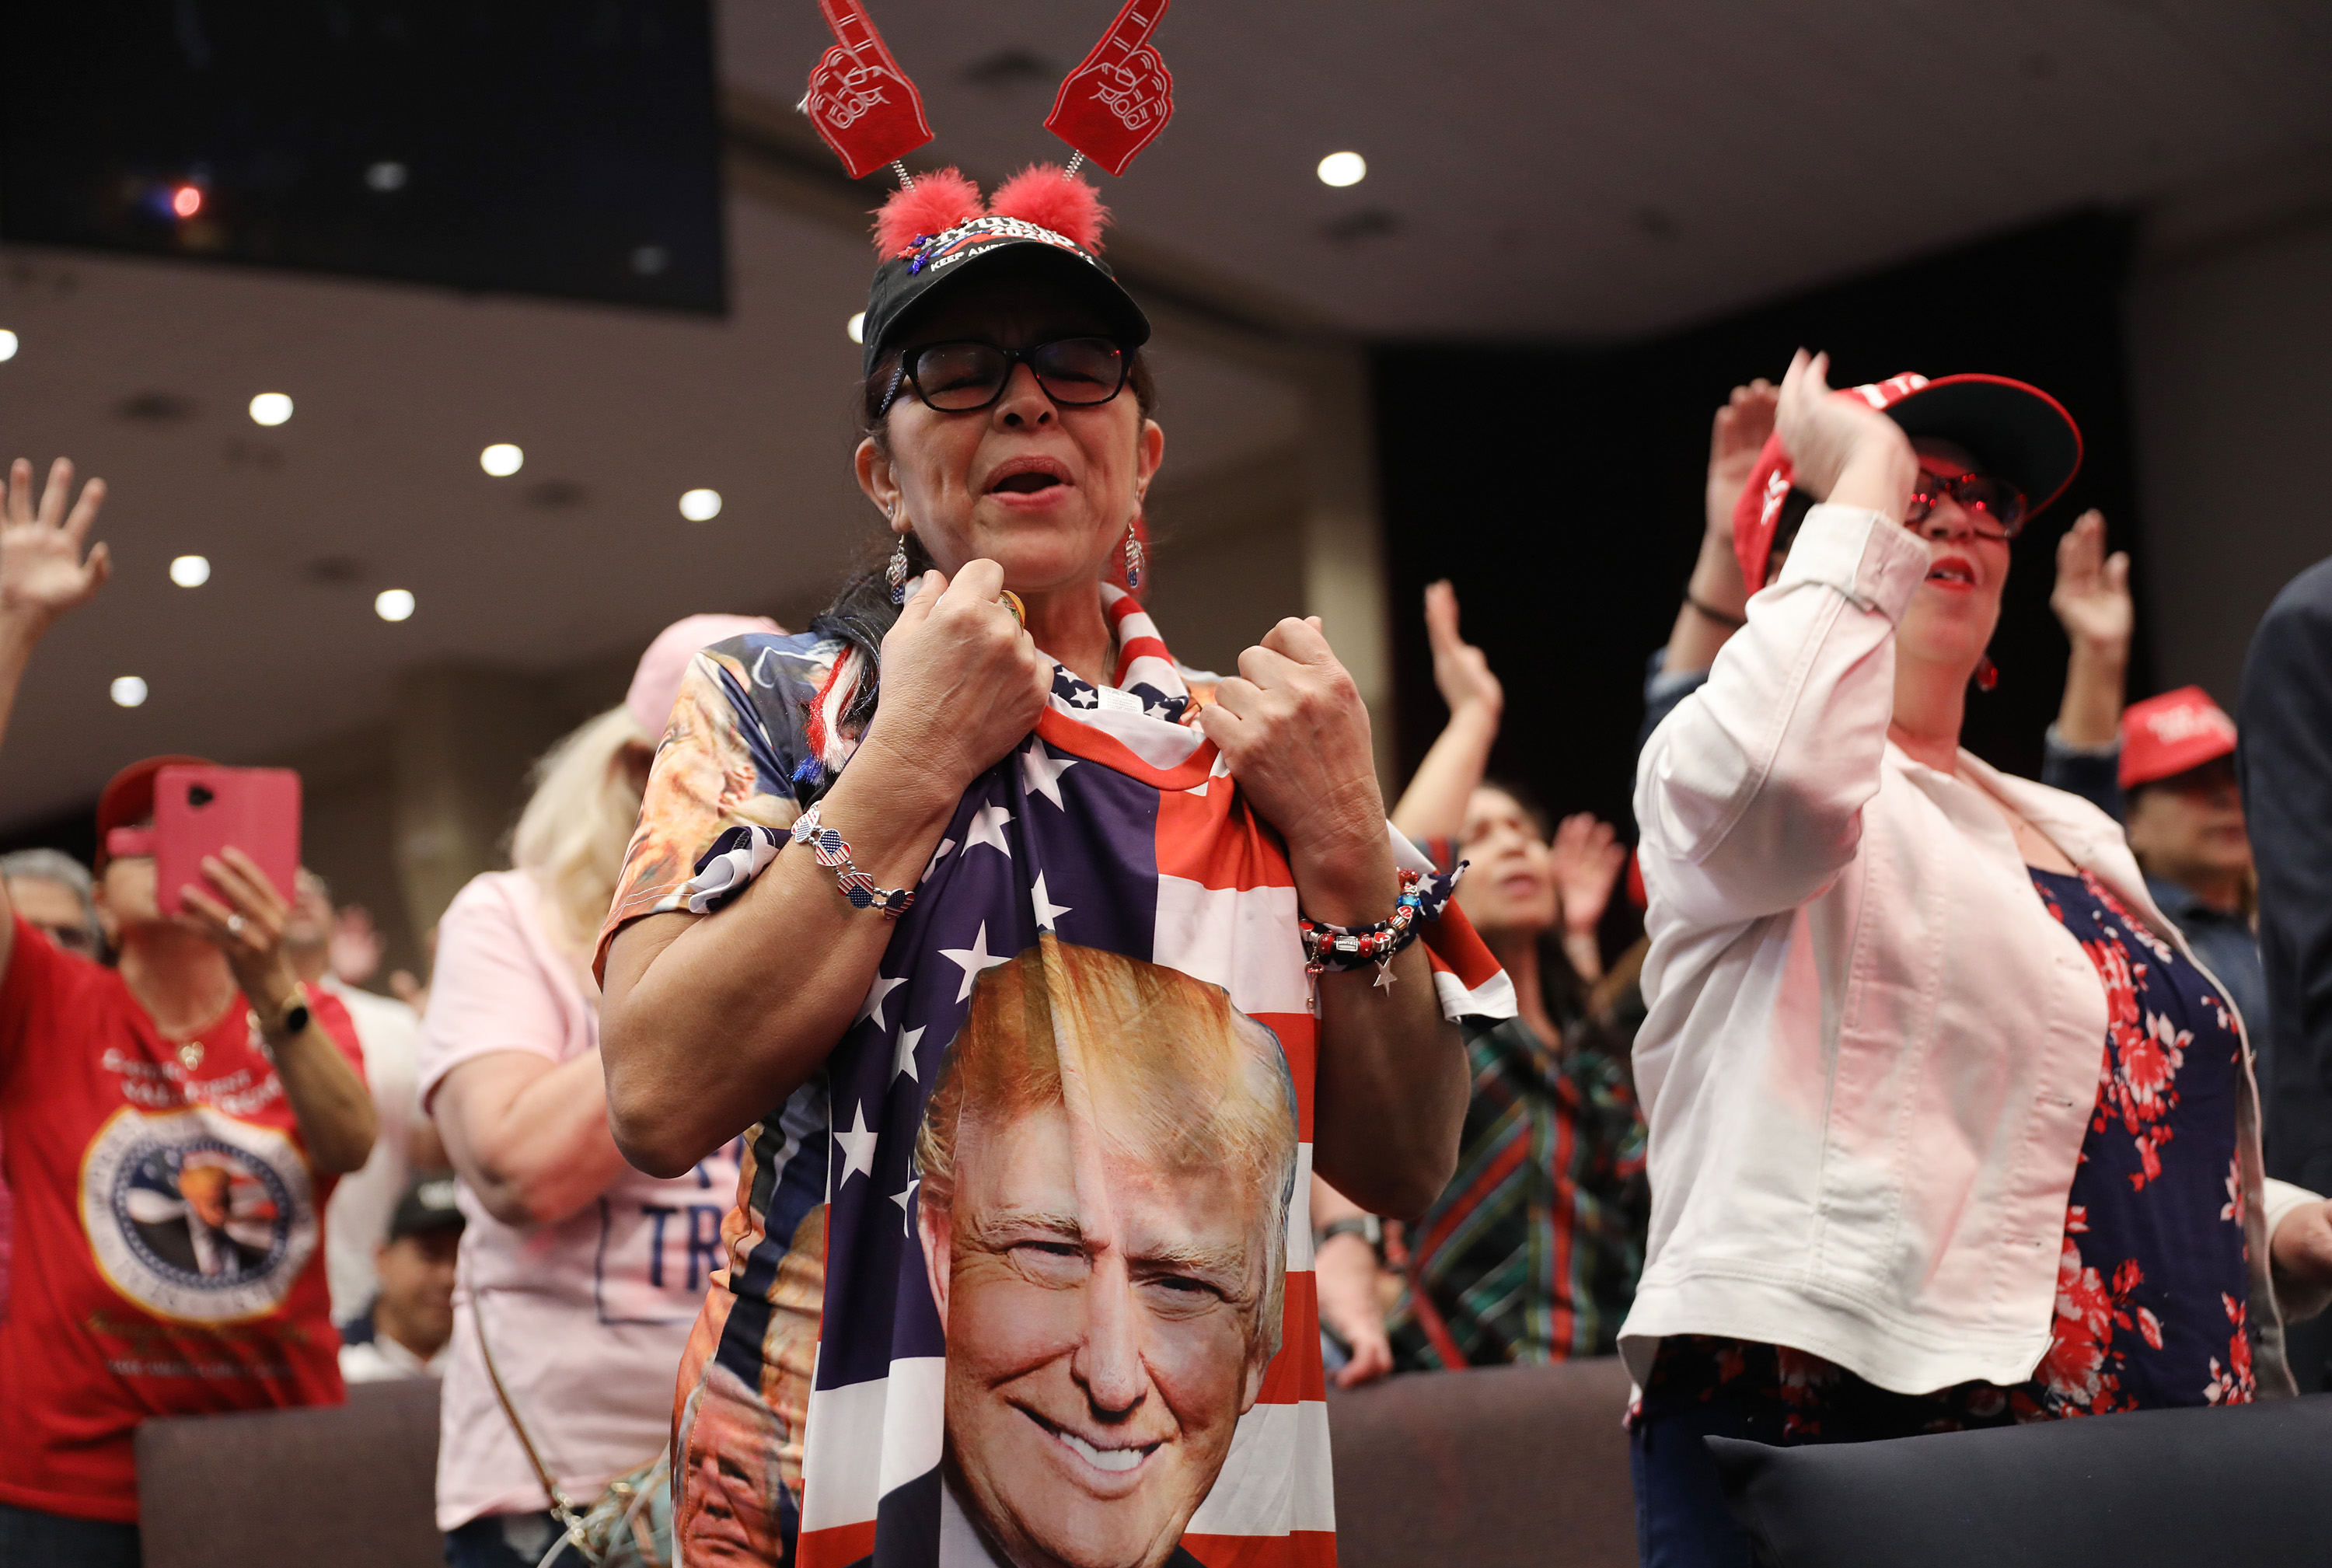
962 683
1585 862
42 572
1735 437
1841 448
1461 672
2091 598
354 949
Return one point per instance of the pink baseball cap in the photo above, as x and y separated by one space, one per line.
2164 736
656 684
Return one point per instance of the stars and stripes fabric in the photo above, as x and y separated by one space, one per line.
1053 1180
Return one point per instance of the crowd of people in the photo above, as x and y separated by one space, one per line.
955 1083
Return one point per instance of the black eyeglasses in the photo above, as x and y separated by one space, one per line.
960 377
1983 498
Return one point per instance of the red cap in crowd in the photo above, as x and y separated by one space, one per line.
2164 736
2015 430
128 797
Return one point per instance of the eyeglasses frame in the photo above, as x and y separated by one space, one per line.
904 374
1917 510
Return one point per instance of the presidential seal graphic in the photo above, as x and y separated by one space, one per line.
194 1216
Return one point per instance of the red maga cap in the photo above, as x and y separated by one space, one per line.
129 797
2013 430
1121 95
860 100
2164 736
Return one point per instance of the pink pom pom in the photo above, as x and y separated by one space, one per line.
938 203
1051 198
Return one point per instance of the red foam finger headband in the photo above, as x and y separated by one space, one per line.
859 100
1757 513
1121 95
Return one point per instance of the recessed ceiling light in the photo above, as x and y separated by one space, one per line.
1341 168
190 571
127 691
501 460
7 344
393 604
700 505
856 327
271 408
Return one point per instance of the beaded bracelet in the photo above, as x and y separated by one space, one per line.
1337 947
831 850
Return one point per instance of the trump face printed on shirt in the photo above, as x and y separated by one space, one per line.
1103 1178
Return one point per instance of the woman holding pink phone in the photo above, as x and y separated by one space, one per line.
175 1127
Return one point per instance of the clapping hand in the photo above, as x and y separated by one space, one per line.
1841 449
1735 438
2091 598
1585 861
42 572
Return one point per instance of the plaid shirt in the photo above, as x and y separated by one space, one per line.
1532 1252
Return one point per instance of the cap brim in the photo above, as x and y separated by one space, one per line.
1046 265
2015 431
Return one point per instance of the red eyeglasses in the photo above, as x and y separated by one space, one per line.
1984 498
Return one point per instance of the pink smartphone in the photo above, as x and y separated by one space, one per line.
200 811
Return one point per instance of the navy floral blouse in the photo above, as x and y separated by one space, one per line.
2153 1283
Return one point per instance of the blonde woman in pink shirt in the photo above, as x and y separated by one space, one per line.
584 1275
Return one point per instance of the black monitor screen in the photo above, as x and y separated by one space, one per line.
567 148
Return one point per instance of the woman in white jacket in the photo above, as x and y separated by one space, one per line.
1949 1128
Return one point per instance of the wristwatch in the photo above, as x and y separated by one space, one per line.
1367 1227
293 1020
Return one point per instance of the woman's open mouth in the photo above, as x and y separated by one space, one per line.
1029 476
1951 571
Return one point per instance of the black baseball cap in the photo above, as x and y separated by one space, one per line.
990 247
2013 430
428 1205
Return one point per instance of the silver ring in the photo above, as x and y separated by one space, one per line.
235 924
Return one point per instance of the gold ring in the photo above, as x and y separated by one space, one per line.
1011 601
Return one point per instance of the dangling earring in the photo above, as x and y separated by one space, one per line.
1987 673
1135 560
896 572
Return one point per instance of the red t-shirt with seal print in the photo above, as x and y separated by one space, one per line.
170 1254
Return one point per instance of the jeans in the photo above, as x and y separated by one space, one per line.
508 1541
1681 1520
30 1540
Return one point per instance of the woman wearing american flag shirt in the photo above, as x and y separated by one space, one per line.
1008 761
